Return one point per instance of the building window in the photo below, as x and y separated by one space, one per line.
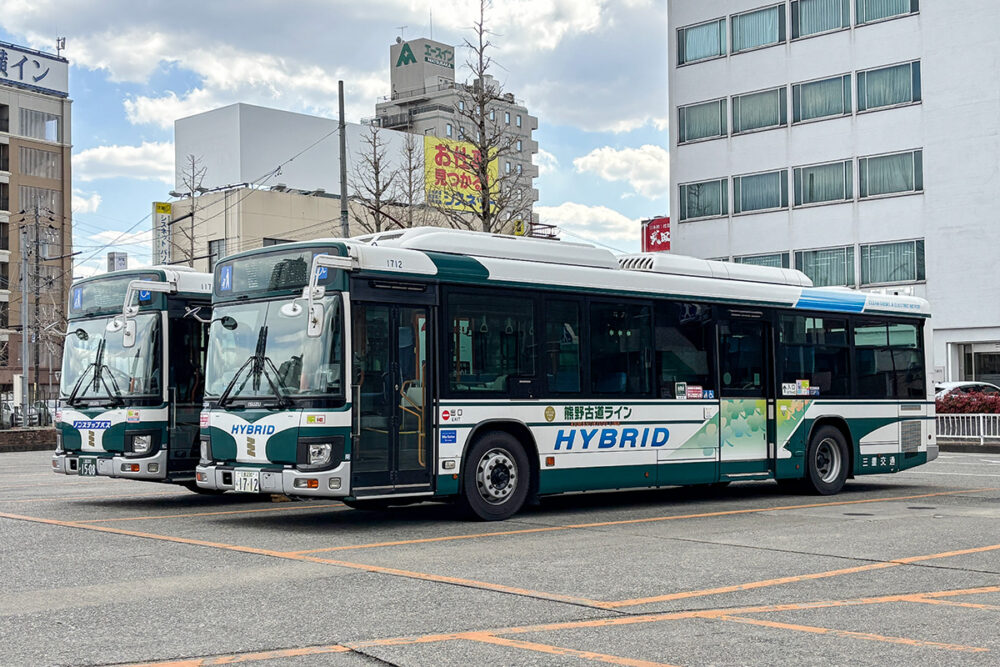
778 260
43 164
518 169
518 120
756 111
216 251
518 145
758 28
4 277
820 99
890 174
268 242
810 17
759 192
461 133
506 117
507 167
889 86
447 129
45 198
40 125
4 118
461 105
5 157
868 11
830 267
704 200
4 197
4 322
4 236
701 121
892 263
493 114
700 42
824 183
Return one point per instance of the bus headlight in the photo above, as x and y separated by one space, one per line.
206 451
319 454
141 444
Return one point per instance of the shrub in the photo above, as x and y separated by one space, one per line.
956 403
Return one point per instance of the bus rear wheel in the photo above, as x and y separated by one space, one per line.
826 461
495 477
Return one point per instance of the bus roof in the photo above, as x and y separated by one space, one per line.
105 293
481 258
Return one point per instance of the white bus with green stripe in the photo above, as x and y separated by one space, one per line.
432 364
133 375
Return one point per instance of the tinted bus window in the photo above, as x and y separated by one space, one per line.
684 340
814 350
889 360
619 340
562 346
492 338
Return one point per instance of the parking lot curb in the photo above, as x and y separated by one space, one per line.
969 447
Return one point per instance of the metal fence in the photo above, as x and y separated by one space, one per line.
969 427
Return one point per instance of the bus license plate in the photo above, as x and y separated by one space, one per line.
87 466
246 481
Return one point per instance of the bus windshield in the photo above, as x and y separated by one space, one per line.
97 367
260 350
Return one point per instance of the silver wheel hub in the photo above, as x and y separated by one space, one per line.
827 460
496 476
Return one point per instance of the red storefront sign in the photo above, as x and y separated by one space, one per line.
656 235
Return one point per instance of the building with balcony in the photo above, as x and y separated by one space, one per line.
854 140
35 149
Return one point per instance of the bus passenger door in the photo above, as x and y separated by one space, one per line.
746 406
391 394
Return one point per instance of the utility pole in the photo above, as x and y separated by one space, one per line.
25 358
36 280
345 228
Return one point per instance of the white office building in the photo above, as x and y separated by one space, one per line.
855 140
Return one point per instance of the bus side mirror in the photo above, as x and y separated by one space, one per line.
128 336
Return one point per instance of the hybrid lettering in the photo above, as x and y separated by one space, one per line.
252 429
609 438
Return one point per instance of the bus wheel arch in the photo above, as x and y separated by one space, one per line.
500 432
827 460
841 425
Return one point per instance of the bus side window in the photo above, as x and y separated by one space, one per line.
619 348
491 339
814 349
562 346
684 340
889 359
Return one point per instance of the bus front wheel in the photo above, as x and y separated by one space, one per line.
826 461
495 477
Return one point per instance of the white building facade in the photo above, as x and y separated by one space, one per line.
854 140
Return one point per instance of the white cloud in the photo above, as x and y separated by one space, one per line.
152 161
598 223
546 162
84 202
646 169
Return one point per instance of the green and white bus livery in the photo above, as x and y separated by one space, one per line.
133 376
432 364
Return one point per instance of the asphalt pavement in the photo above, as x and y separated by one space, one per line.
897 569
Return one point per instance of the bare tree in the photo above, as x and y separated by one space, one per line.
374 182
410 185
498 186
191 174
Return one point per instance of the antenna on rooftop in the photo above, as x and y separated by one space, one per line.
402 31
60 45
430 12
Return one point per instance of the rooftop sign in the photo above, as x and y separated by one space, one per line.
34 70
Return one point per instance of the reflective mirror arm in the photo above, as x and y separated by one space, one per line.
316 291
136 286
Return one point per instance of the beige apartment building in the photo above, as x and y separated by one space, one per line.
35 144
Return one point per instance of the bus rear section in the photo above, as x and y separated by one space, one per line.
133 376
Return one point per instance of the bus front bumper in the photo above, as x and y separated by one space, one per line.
68 463
333 483
141 467
932 452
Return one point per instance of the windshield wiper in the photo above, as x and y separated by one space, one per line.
95 365
257 362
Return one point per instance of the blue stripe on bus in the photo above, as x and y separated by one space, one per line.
844 302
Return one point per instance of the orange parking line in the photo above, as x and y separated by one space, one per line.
603 524
249 657
849 634
219 513
952 603
896 562
559 650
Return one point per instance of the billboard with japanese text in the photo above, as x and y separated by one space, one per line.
28 68
656 235
450 174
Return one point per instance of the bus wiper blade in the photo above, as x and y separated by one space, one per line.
96 365
114 384
71 400
224 396
280 390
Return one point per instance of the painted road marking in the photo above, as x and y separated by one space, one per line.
622 522
558 650
124 495
151 517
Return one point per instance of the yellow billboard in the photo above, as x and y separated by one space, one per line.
451 174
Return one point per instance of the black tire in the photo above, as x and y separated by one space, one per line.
495 477
826 461
193 486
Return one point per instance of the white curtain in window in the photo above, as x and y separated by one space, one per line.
890 173
702 41
821 98
702 120
760 191
763 260
892 85
821 183
819 16
755 29
703 199
757 110
827 267
873 10
888 263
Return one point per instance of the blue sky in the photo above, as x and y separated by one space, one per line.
593 71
